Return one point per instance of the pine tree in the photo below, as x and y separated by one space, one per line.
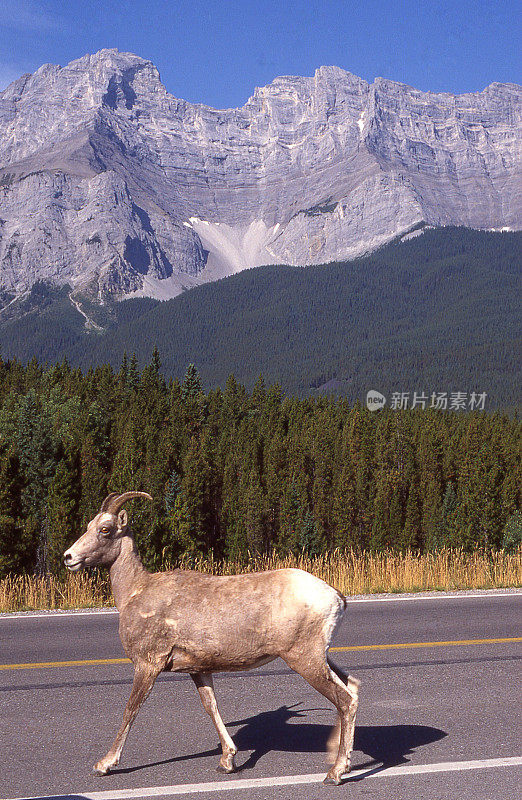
512 534
292 512
36 449
344 510
172 490
254 506
62 509
193 507
443 535
388 512
259 392
155 362
126 472
124 371
233 494
93 479
152 383
14 556
412 524
183 540
310 541
134 373
191 386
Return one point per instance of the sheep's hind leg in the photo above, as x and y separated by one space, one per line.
144 677
335 736
330 682
205 687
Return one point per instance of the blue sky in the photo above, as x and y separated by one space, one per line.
217 51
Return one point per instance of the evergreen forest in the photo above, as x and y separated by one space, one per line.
235 471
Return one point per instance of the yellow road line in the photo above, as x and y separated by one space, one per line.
351 648
453 643
51 664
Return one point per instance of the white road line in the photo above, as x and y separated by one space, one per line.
57 614
442 596
233 784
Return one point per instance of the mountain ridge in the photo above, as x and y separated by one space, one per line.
114 186
439 312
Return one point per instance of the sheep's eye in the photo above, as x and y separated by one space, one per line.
105 530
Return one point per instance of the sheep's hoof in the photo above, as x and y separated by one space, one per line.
333 780
102 767
228 766
226 770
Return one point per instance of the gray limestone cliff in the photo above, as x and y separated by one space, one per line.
114 186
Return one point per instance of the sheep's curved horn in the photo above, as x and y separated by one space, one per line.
108 500
114 501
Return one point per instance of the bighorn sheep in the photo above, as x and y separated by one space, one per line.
185 621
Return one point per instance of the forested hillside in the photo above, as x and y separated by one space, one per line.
233 471
437 313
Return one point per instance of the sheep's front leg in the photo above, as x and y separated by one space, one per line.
144 677
205 686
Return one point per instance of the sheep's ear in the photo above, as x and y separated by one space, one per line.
123 520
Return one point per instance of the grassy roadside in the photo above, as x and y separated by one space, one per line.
351 572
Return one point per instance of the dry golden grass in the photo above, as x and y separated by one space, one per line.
369 573
351 572
27 593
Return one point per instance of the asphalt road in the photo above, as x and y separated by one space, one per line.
433 721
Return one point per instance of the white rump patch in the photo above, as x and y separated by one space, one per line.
319 597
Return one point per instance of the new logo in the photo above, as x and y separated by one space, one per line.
375 400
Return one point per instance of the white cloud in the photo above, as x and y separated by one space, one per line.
27 15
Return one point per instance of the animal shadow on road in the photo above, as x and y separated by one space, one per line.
385 745
269 731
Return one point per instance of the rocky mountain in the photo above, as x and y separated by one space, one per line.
439 312
110 184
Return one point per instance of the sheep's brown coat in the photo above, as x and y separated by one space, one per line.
183 621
